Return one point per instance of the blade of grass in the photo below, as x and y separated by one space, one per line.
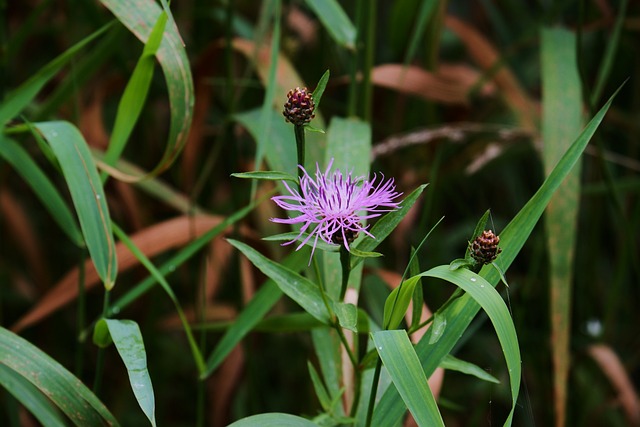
561 119
87 194
140 17
135 94
127 338
53 380
335 21
403 365
29 396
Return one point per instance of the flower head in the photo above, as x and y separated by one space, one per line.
299 108
484 249
333 206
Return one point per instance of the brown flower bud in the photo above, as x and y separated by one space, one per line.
299 106
484 249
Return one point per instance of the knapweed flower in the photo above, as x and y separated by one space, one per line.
333 206
299 108
484 249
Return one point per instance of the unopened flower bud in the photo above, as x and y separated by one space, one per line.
484 249
299 107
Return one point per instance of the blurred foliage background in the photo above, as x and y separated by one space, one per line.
454 100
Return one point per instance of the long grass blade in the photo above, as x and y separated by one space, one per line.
561 118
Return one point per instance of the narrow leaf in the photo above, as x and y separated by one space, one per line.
273 420
66 391
403 365
266 175
127 337
30 397
335 21
347 315
454 364
87 194
319 90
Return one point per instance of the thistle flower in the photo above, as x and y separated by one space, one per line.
484 249
332 206
299 106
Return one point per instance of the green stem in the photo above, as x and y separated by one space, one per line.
299 131
345 262
97 382
355 61
81 320
374 390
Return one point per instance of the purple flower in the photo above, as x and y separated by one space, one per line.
334 205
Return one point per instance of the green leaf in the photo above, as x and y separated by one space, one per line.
319 90
454 364
561 119
403 365
266 116
298 288
140 17
462 311
22 163
30 397
461 263
397 303
87 194
347 315
266 175
491 302
313 129
439 325
293 235
135 93
17 100
362 254
320 389
128 340
66 391
427 9
335 21
273 420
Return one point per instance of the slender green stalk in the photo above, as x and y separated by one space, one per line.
374 390
369 50
300 147
97 381
355 61
81 314
345 262
4 48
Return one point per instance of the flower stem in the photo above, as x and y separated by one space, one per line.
345 262
374 390
299 131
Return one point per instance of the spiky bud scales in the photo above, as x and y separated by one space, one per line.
299 108
484 248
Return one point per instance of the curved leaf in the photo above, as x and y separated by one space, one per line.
273 420
87 193
128 340
403 365
140 16
335 21
32 399
53 380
